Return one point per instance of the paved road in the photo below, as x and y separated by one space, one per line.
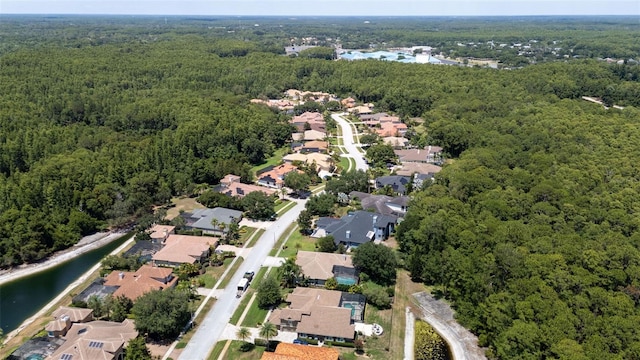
349 145
210 330
463 344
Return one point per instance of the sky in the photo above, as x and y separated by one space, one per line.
324 7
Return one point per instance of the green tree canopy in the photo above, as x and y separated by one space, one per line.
162 314
377 261
269 293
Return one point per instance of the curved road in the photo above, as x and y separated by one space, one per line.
210 329
347 140
212 326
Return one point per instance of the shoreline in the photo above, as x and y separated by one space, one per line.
109 237
83 246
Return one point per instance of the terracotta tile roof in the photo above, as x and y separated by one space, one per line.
96 340
241 190
286 351
319 265
134 284
184 248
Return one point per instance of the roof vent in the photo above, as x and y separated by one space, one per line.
121 275
348 234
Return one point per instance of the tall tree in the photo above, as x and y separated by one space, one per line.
161 314
137 350
376 260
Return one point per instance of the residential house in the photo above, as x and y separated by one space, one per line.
419 180
382 204
159 233
297 136
356 228
286 351
319 314
396 142
104 340
397 183
348 103
274 177
323 162
309 121
211 221
231 185
411 168
361 110
318 267
184 249
64 317
373 119
147 278
428 155
391 129
314 146
310 135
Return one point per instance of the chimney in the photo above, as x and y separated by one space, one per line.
121 275
348 234
375 218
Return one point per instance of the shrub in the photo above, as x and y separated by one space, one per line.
260 342
247 346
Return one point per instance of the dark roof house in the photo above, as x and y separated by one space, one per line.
396 182
382 204
356 228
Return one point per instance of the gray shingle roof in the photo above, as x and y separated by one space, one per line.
356 227
223 215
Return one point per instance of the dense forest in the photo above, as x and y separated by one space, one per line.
531 230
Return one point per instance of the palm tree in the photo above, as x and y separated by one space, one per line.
243 333
268 330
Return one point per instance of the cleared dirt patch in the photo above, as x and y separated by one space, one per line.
185 203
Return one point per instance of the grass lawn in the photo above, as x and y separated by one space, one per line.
296 242
284 206
233 352
378 347
213 273
274 160
254 316
257 236
234 268
245 233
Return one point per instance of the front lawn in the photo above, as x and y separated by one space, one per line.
233 352
296 242
213 273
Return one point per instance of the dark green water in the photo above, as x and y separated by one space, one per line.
22 298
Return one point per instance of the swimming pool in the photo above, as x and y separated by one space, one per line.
345 280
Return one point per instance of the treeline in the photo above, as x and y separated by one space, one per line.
533 232
91 136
